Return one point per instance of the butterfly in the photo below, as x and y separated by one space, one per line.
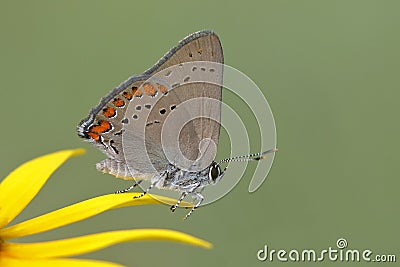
164 125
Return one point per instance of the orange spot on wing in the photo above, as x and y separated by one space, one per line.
136 91
109 112
163 89
94 136
149 89
127 95
118 102
102 127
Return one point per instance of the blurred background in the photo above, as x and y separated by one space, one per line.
329 70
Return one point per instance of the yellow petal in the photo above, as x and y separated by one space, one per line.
80 211
15 262
22 184
89 243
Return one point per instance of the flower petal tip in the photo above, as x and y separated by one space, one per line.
78 151
208 245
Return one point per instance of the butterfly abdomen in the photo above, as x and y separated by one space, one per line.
120 170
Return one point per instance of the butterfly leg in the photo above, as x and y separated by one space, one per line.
199 198
154 181
129 188
147 190
184 194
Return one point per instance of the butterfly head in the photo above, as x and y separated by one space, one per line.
215 173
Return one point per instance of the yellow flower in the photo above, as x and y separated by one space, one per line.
21 186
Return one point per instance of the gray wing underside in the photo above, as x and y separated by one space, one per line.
139 142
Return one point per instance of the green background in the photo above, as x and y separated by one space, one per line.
329 69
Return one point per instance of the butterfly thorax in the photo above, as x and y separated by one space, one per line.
177 179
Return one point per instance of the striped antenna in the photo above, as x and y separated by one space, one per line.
251 157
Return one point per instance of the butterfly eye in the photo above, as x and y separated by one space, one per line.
215 172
